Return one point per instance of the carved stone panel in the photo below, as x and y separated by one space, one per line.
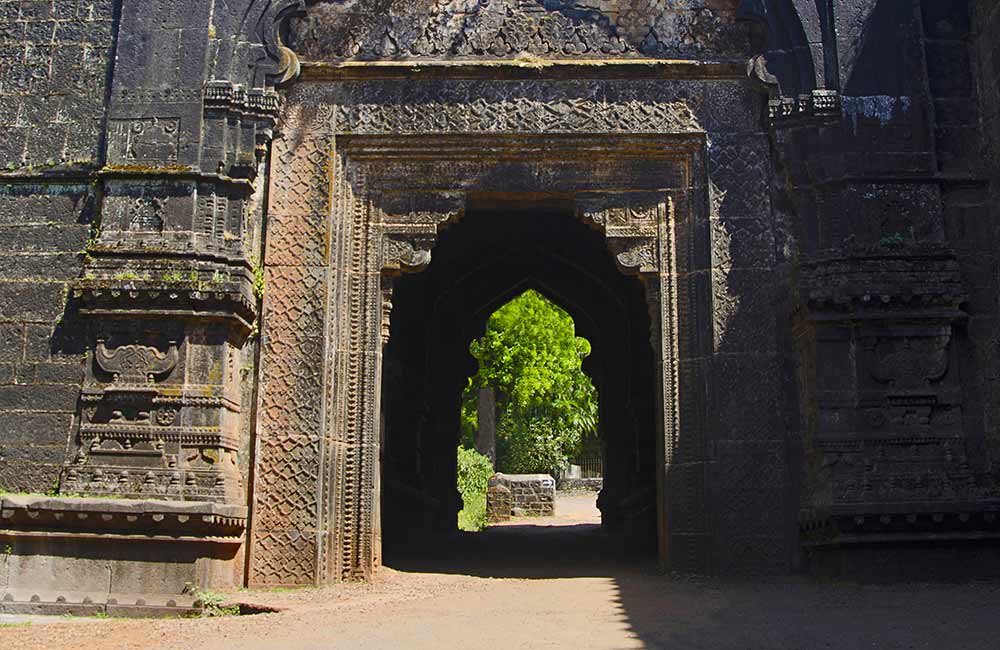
293 495
144 140
386 169
509 28
146 429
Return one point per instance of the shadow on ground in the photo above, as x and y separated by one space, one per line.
663 612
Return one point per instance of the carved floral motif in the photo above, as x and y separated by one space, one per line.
505 28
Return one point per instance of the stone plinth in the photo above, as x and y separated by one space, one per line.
123 557
530 495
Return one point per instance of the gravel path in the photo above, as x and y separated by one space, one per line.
526 585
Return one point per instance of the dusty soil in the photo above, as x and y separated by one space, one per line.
560 584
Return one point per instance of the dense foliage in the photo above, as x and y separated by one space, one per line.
547 406
474 472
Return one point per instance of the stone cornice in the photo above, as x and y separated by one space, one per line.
892 523
923 281
155 299
526 68
178 520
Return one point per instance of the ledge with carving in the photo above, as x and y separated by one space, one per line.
150 520
255 103
836 526
207 296
90 556
867 283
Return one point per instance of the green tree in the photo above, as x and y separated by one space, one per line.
548 406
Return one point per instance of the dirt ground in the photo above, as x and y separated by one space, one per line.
563 584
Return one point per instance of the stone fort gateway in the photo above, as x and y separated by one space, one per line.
246 244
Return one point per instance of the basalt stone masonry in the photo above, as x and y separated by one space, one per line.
245 246
521 495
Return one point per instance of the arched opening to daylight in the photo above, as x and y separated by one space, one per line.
524 319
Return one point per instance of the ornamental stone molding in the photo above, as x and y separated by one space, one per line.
384 224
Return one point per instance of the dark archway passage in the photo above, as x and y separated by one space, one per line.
500 248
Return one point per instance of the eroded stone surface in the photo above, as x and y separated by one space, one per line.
207 266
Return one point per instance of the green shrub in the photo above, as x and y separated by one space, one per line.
474 472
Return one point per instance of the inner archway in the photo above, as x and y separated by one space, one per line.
530 407
503 246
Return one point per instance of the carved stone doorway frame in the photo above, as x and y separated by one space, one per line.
349 213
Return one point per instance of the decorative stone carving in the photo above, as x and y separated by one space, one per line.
135 364
512 114
910 363
400 252
510 28
637 255
278 63
146 215
386 308
152 140
631 222
890 432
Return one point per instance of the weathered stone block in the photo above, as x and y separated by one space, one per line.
49 239
29 475
531 495
33 301
21 428
43 266
11 341
499 503
39 398
59 373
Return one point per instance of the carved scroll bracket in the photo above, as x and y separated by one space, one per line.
408 224
631 222
407 229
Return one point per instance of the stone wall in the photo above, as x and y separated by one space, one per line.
55 64
985 32
528 495
820 278
896 207
55 59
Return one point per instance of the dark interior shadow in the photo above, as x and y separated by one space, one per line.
524 551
